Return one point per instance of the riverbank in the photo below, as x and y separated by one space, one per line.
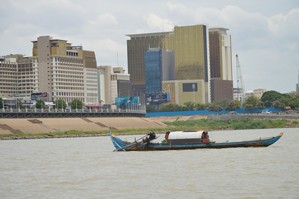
44 128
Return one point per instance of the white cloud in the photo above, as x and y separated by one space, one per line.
264 33
108 51
284 29
156 22
105 20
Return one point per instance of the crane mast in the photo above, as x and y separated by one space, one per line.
240 85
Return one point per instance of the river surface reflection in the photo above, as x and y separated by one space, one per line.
88 168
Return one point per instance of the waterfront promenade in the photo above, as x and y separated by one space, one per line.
65 113
48 125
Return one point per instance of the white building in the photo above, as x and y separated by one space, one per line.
113 82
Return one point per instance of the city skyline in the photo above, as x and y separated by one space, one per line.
264 34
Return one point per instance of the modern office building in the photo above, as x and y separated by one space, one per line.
113 82
220 64
158 66
190 47
136 47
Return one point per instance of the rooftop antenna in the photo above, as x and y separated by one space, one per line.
117 58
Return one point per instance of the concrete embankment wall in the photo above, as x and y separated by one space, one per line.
44 125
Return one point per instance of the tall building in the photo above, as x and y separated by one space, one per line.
136 47
9 78
64 71
158 66
18 76
113 82
190 47
27 77
220 64
56 69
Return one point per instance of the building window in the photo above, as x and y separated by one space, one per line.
190 87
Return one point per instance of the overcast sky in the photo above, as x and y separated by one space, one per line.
265 34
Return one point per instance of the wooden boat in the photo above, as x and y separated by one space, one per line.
179 140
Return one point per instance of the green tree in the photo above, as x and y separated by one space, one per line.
1 102
248 106
271 96
40 104
150 109
215 106
253 102
278 104
189 106
60 104
199 106
170 107
76 104
225 103
233 105
294 103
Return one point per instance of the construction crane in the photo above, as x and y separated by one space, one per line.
240 85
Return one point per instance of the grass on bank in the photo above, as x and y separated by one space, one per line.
191 125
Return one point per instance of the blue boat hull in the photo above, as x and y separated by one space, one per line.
121 145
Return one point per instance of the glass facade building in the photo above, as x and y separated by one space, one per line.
153 71
189 45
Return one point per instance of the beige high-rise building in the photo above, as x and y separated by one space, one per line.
220 64
18 76
9 79
64 71
56 68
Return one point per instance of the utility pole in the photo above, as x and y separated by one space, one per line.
240 85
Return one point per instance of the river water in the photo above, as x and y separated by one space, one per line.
88 168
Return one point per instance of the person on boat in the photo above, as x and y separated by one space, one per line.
152 136
149 137
166 136
205 137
